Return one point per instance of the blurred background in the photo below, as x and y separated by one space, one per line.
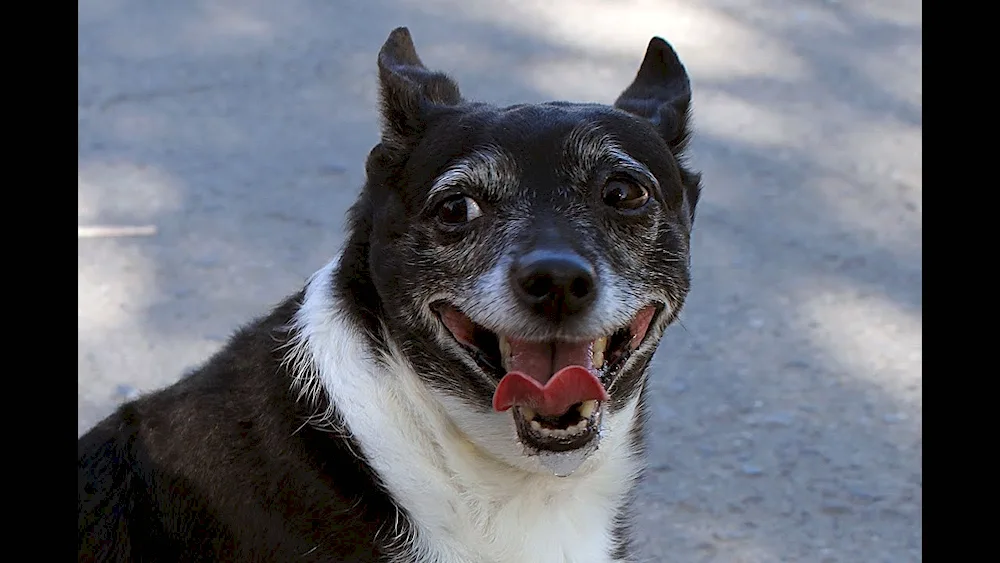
221 141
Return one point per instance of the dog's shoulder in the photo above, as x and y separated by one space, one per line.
147 474
224 465
240 386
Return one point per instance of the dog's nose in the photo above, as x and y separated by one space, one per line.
554 283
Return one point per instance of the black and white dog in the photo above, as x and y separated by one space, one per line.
464 383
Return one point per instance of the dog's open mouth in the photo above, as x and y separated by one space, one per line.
555 390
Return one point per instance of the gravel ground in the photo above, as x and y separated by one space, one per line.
787 419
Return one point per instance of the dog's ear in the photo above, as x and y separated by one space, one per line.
661 93
408 89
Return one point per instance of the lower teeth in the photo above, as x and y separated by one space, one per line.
585 410
573 430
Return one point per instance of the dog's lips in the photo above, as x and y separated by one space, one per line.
547 378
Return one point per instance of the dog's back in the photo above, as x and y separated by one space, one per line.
223 467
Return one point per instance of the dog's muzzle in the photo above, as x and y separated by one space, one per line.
555 390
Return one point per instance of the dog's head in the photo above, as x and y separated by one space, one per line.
524 260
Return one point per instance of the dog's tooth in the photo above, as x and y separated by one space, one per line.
527 413
587 409
535 426
504 351
600 345
549 432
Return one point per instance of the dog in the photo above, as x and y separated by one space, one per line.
465 382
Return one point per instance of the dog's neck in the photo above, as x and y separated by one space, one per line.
463 503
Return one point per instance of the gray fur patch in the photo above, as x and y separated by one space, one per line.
587 148
491 169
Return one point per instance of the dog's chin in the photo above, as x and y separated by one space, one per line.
560 447
556 438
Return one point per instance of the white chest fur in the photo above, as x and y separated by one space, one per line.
466 506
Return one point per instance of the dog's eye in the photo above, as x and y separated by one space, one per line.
624 194
458 210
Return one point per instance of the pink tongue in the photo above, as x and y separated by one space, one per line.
548 378
571 385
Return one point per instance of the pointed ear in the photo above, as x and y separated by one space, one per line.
408 89
661 93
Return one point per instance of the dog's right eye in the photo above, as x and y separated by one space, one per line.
624 195
458 210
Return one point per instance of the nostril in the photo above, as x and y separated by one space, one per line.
538 285
580 287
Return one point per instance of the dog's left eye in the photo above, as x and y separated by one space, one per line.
458 210
624 194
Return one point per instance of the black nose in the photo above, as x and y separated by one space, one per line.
554 283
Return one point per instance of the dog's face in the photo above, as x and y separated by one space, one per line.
527 259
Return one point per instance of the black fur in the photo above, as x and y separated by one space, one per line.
222 467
